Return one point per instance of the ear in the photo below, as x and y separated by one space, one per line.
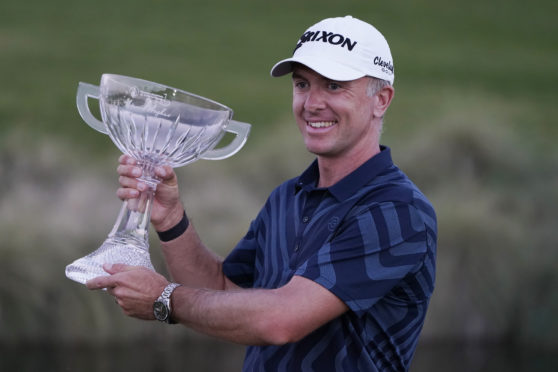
382 100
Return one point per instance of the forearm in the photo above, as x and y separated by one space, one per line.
249 317
190 263
257 316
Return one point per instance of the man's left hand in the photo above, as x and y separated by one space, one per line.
134 288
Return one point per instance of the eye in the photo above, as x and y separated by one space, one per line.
300 84
332 85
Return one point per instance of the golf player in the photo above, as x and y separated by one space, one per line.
336 271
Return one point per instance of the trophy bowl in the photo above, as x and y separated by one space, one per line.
156 125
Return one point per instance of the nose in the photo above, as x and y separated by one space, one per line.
315 99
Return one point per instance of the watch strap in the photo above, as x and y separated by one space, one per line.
165 299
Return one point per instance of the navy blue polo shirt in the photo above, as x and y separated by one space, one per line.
370 239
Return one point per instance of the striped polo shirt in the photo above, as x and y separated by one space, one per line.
370 239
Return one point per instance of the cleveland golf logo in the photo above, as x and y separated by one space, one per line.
385 65
326 37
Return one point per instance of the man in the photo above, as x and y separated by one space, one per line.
336 271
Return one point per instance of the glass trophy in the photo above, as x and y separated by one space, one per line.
156 125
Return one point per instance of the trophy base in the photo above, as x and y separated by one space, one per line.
112 251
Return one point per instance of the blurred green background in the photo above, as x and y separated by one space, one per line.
473 122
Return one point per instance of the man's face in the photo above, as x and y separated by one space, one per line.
334 117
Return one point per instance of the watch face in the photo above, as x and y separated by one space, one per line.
160 311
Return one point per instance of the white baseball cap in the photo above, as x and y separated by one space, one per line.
342 49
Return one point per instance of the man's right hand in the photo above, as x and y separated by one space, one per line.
167 208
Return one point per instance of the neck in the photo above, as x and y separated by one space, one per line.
334 169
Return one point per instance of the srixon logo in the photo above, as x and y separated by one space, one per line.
326 37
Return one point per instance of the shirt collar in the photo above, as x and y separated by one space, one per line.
351 183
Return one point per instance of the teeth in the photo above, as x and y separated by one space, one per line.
321 124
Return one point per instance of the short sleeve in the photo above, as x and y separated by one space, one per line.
374 253
240 263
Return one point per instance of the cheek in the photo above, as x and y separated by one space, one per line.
364 109
298 109
297 112
298 103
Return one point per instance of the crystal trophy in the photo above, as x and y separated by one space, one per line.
156 125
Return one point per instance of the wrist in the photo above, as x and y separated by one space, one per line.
170 219
175 231
162 309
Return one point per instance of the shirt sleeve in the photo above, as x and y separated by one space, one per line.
378 253
240 263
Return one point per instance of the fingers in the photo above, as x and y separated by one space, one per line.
129 171
130 188
118 268
126 159
110 281
100 282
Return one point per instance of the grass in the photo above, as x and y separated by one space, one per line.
473 123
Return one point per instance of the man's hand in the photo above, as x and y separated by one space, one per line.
134 288
167 209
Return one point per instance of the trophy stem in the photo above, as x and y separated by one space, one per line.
132 224
127 243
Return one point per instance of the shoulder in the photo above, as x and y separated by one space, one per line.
282 193
286 186
277 201
393 202
393 186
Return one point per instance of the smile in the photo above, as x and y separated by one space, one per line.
321 124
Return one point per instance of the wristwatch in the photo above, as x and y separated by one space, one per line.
162 306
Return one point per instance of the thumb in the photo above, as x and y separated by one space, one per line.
117 268
166 173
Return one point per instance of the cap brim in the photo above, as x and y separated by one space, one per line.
327 68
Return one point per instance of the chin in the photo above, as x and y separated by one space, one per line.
318 151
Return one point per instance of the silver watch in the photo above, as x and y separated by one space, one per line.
162 306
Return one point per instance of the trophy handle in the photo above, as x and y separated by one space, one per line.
241 130
84 92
